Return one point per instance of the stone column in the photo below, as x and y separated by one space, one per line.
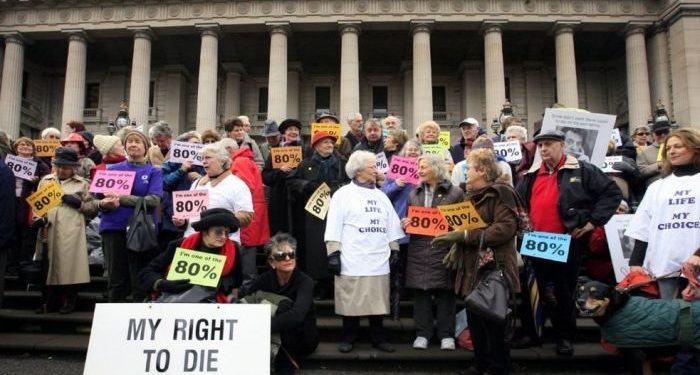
422 72
74 87
11 91
407 71
208 78
175 97
472 92
638 97
232 94
567 86
293 77
684 49
140 76
533 89
349 71
660 69
494 75
277 86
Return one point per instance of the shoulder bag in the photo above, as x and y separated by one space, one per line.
141 231
490 296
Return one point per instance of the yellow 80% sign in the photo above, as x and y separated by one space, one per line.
46 198
289 156
461 216
199 267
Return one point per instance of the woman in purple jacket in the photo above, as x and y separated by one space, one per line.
124 264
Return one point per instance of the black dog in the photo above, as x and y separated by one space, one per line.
640 328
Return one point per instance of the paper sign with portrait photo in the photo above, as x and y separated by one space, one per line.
587 134
620 245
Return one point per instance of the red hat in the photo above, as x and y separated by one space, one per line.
74 137
319 136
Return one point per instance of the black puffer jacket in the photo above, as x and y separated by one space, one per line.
424 268
585 193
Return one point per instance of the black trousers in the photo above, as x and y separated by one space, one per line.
564 277
124 267
423 313
24 246
491 350
351 329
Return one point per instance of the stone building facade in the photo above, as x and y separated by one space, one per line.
195 63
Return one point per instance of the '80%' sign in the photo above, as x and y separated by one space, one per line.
118 182
185 151
197 266
21 167
189 203
543 245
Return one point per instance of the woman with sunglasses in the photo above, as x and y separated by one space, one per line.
650 159
295 319
211 236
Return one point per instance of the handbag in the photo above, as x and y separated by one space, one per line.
141 231
490 298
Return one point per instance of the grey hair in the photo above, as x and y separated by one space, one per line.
352 115
411 142
186 136
437 164
160 129
276 241
244 118
229 142
358 161
372 122
219 152
398 120
519 131
50 131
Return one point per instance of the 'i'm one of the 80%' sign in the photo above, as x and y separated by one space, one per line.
179 338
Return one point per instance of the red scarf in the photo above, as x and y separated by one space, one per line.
192 241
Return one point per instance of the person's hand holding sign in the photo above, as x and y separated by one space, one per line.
110 201
579 232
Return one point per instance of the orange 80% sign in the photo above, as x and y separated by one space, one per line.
289 156
426 221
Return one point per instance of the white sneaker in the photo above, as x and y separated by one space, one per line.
420 343
447 343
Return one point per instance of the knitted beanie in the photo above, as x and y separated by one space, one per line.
104 143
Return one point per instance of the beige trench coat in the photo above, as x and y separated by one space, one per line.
65 234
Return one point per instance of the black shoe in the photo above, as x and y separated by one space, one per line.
565 348
345 347
68 305
384 346
521 343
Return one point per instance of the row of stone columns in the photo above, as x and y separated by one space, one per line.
420 74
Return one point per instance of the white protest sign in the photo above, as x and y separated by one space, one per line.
179 338
587 134
508 150
21 167
182 151
620 245
382 163
607 165
616 137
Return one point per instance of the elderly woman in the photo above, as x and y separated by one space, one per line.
393 143
211 236
425 273
497 205
225 190
373 137
321 167
210 136
76 142
25 234
64 233
640 138
362 240
49 134
124 264
295 319
176 177
428 133
459 172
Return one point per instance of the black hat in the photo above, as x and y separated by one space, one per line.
660 126
89 137
554 135
323 115
216 217
287 123
66 156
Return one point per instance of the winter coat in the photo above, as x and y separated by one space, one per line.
496 206
7 202
647 161
374 147
156 157
399 198
22 211
528 150
243 166
174 179
307 228
348 143
66 241
278 200
424 268
645 323
586 194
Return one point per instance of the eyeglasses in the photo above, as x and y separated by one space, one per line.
284 255
661 132
221 232
642 134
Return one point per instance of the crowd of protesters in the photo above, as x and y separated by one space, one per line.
358 253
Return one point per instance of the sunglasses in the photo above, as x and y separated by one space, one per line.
284 255
220 232
642 134
661 132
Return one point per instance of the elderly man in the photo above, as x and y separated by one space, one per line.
354 135
162 136
272 138
565 196
527 149
391 122
470 130
650 159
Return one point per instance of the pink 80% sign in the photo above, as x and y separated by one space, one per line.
189 204
118 182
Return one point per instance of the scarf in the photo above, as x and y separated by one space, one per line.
193 241
325 170
684 170
366 185
111 159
